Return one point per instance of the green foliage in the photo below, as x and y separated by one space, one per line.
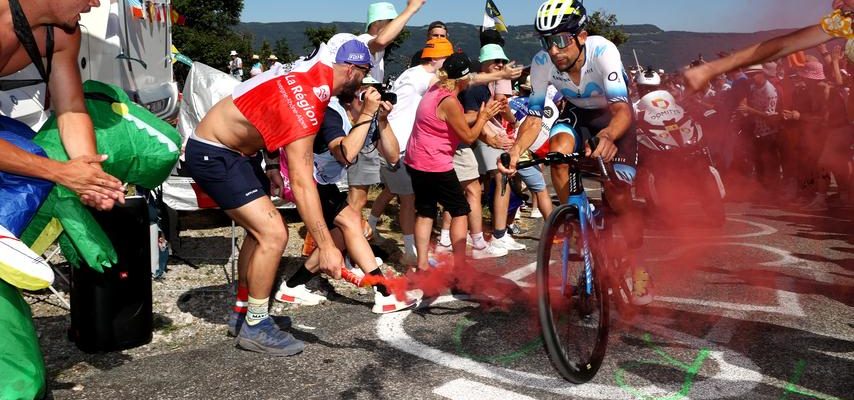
209 34
601 23
316 36
282 50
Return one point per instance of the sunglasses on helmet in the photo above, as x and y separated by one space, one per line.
560 40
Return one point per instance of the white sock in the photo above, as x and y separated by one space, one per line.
372 221
477 241
258 310
409 244
445 238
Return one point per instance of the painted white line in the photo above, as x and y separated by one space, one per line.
764 230
464 389
787 304
521 273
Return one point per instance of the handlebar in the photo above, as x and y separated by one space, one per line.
554 158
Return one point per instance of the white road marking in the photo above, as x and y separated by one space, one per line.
521 273
764 230
787 304
464 389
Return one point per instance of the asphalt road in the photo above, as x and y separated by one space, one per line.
761 309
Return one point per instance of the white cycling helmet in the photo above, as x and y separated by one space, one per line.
648 78
556 16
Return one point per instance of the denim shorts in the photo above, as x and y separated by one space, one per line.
533 178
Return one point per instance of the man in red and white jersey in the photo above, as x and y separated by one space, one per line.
275 110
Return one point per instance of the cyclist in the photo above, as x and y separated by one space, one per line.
588 72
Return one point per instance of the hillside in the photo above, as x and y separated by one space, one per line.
662 49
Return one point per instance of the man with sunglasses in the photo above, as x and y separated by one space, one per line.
275 110
589 74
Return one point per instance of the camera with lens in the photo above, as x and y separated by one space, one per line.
390 97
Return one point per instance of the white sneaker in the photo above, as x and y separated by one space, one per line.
507 242
390 304
298 295
536 213
489 251
518 213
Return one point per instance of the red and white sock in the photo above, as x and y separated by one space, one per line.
241 305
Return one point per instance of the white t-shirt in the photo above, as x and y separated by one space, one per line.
409 87
335 42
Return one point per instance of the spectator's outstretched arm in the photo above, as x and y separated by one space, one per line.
510 71
698 77
390 32
82 175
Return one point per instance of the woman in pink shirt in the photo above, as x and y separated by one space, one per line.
440 125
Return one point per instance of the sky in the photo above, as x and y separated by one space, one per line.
669 15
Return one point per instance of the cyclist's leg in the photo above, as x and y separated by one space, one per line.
563 138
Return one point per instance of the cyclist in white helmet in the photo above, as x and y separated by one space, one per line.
588 72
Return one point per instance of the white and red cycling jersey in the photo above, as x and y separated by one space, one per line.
287 104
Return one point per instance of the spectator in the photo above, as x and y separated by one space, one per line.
761 108
235 66
440 125
436 30
257 67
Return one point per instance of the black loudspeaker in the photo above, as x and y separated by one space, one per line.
111 311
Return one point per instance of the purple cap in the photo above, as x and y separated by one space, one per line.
353 52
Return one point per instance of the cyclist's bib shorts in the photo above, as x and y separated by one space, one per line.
585 123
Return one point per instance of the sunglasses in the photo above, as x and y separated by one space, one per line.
366 70
560 40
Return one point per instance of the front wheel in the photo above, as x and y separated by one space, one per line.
574 319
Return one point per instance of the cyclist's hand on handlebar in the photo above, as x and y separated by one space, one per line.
606 148
510 170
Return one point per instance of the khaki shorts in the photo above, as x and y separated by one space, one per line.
487 157
366 170
398 182
465 165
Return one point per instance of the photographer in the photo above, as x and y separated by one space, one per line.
351 127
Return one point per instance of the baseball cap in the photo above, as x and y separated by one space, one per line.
436 24
379 12
437 48
353 52
457 66
492 52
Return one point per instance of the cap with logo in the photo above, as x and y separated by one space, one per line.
353 52
380 12
492 52
457 66
437 48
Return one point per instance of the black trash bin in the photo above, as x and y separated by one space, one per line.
111 311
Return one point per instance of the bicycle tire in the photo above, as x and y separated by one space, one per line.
580 369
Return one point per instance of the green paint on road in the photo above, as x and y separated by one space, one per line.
690 369
503 359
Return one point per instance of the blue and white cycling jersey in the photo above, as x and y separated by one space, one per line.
603 78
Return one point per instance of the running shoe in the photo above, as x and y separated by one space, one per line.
236 320
298 295
536 214
489 251
442 249
390 303
514 229
20 266
265 337
508 243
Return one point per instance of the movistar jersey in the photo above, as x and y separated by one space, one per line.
603 79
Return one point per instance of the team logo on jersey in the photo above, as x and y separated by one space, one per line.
613 76
541 59
322 93
548 112
661 103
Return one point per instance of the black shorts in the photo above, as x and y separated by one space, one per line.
231 179
332 201
438 187
587 123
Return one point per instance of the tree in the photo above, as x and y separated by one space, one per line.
265 50
603 24
208 36
282 50
316 36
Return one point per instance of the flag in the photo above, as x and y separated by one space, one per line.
177 19
136 8
492 18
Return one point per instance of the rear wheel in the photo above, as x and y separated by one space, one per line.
574 320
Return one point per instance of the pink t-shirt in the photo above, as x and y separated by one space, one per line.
433 142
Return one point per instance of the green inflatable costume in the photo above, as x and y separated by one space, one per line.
22 372
142 150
